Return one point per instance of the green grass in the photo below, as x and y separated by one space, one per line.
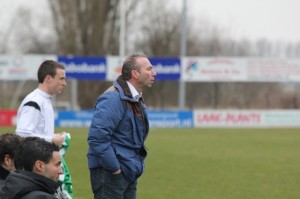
206 163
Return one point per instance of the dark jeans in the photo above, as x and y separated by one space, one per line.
109 186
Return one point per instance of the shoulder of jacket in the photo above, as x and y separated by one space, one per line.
111 88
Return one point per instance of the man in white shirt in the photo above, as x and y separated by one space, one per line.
35 116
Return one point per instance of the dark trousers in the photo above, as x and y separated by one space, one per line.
109 186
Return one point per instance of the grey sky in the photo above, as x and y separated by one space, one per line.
252 19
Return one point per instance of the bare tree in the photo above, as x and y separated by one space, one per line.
88 27
91 27
26 34
159 33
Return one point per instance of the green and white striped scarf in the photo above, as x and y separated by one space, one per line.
65 178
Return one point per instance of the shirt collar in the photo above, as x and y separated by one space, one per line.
46 95
134 92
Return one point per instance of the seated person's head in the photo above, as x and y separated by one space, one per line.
39 156
9 142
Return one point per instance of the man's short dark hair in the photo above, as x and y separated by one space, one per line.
32 149
9 143
129 65
48 67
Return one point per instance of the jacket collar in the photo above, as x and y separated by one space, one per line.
124 89
3 173
47 184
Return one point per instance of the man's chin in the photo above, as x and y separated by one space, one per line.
150 85
56 180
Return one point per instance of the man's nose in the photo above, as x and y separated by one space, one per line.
60 170
154 72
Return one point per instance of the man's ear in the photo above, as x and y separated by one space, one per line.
7 160
47 78
135 74
39 166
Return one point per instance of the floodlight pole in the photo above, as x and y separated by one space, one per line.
181 96
122 30
74 94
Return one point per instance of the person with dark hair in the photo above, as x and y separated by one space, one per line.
41 166
118 131
35 116
8 146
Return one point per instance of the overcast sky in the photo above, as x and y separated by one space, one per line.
251 19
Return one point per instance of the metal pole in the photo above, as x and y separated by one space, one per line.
17 93
122 30
182 54
74 94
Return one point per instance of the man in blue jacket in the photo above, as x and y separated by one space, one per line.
118 131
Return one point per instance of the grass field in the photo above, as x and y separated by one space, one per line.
206 163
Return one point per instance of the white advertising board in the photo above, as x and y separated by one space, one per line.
213 69
114 67
21 67
230 69
246 118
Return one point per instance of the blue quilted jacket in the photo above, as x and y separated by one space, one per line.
118 131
